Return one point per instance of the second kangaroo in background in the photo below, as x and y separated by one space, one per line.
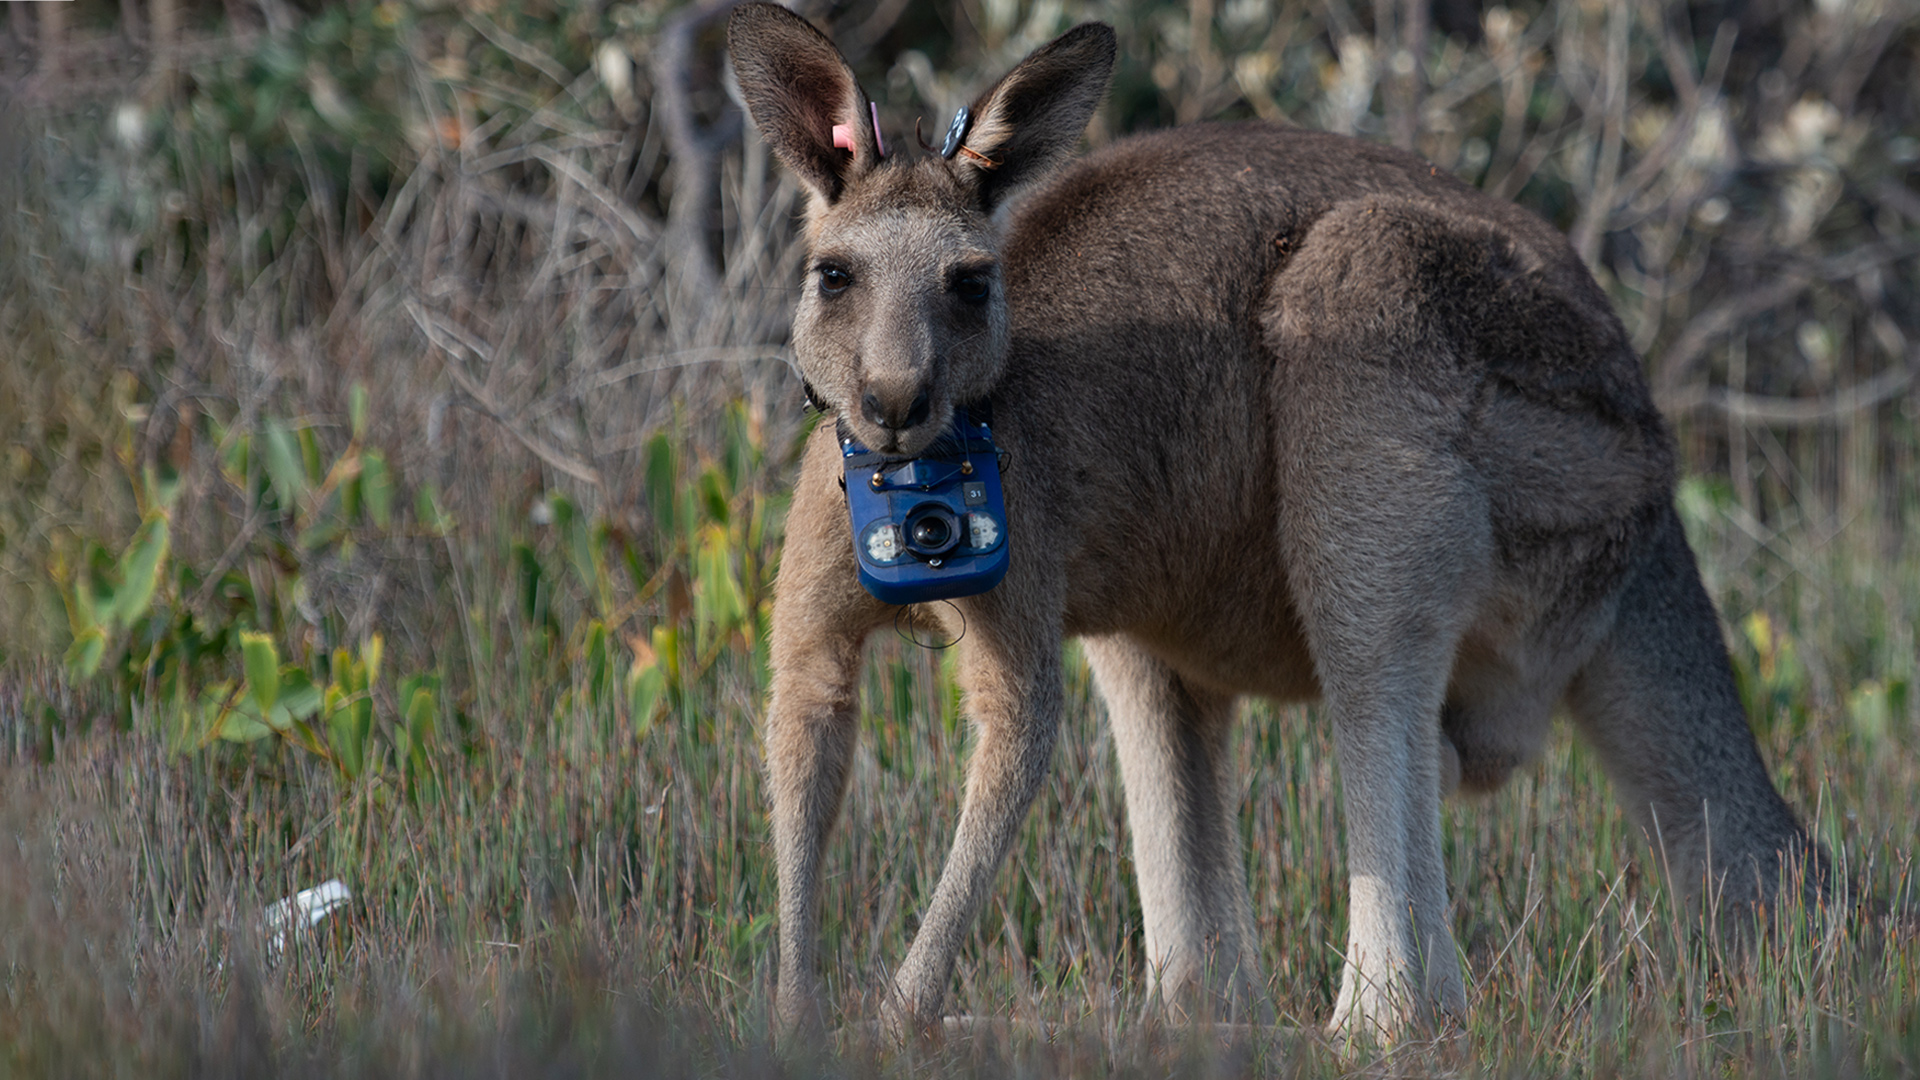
1290 414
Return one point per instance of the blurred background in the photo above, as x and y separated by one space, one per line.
537 235
396 415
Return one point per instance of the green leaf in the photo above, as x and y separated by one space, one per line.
262 662
350 491
662 471
94 590
236 458
303 736
426 507
348 725
741 453
583 542
298 696
88 649
533 598
1873 708
371 650
666 650
310 455
200 722
376 486
714 492
718 600
324 532
403 747
140 568
646 689
562 510
242 725
230 718
346 673
283 464
417 695
357 409
598 660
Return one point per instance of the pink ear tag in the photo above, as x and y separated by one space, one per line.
843 133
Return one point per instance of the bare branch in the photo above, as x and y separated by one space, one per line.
442 336
1797 412
1722 316
518 49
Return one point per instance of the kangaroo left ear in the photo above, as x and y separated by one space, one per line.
803 97
1031 119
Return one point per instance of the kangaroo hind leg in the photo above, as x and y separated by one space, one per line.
1383 631
1176 760
1385 529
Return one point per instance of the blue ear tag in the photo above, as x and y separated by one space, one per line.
956 133
931 527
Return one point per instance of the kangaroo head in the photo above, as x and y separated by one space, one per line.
902 315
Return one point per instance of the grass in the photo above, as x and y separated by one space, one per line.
557 870
595 905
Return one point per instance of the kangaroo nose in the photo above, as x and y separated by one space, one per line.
891 419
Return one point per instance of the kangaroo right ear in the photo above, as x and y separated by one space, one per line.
803 97
1033 117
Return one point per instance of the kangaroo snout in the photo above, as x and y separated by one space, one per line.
897 411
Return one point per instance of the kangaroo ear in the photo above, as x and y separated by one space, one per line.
1033 117
803 97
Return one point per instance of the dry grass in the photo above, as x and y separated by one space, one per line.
601 905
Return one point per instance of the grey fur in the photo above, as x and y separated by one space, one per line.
1291 415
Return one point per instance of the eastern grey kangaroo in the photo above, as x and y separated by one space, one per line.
1290 414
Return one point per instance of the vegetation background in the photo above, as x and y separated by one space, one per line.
395 420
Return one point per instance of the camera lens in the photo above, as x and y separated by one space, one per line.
931 530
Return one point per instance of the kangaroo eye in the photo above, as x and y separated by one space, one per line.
972 288
834 280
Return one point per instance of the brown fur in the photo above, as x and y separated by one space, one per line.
1290 415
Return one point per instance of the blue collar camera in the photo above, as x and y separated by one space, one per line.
931 527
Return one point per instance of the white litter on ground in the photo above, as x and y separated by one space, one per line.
303 909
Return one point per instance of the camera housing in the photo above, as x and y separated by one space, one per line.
931 527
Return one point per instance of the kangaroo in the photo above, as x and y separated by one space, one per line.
1290 414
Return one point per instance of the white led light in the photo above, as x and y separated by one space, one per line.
883 544
985 531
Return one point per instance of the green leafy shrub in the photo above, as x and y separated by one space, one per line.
197 648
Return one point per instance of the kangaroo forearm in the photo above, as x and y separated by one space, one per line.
809 754
1007 772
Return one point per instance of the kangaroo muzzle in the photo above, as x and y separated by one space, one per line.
896 411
